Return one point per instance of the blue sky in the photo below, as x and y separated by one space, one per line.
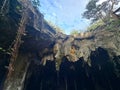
65 13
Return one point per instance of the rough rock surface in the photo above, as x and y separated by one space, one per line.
38 36
49 60
82 45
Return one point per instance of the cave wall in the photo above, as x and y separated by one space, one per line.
16 80
75 75
36 31
53 61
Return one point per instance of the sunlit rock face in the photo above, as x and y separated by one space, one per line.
85 63
83 44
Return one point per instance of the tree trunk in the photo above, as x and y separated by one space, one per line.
115 16
117 10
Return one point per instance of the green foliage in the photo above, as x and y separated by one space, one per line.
91 11
18 7
1 49
36 3
4 51
55 27
58 29
112 24
74 32
91 4
97 11
95 25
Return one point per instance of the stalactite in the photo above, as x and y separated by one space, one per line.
75 85
41 85
66 86
58 78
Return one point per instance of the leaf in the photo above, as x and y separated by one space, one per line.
18 7
1 48
8 53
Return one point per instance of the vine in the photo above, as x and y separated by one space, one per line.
17 42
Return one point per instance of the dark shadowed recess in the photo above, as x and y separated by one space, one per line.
4 62
76 76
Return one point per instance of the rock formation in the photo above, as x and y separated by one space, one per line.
49 60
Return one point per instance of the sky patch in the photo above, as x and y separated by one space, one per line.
67 14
